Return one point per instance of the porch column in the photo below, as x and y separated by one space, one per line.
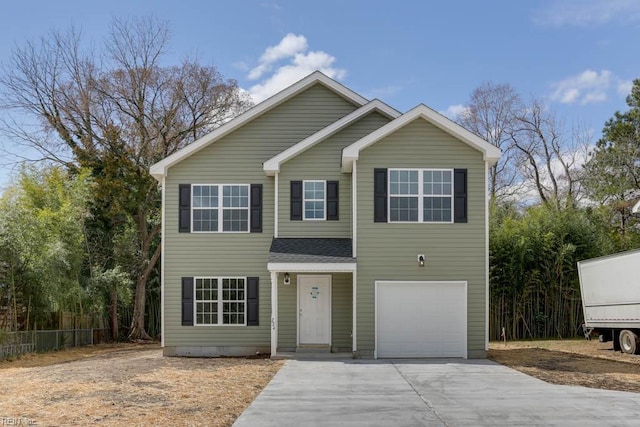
274 313
354 327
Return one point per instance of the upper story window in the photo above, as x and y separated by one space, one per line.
314 200
420 195
220 208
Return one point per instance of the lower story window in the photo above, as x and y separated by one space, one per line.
220 300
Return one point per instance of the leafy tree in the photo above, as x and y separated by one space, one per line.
116 113
612 173
42 243
534 284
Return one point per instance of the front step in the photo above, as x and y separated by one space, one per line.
314 348
294 355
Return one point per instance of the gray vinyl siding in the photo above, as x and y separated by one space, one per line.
323 162
341 312
388 251
237 158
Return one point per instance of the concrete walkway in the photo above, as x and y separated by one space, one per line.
431 393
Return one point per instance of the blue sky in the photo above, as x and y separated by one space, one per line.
580 55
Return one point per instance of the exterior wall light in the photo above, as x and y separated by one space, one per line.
421 259
287 279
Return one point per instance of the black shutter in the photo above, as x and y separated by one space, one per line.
379 195
332 200
252 301
187 301
459 195
256 208
184 207
296 200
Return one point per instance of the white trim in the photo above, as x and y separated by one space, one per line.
299 279
275 206
304 200
486 254
354 210
161 168
274 313
312 267
636 208
219 302
272 165
421 196
352 152
424 282
354 345
220 208
162 264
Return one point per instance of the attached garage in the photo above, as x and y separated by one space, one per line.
421 319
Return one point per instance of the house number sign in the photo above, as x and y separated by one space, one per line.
315 291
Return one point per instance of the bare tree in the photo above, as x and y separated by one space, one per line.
491 114
116 113
547 159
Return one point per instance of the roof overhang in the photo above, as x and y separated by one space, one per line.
490 152
272 166
319 267
161 168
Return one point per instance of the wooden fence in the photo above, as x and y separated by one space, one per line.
16 343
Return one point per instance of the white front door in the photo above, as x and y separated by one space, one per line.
314 310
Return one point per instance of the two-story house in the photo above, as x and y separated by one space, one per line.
321 220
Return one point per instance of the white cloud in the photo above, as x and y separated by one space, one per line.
292 61
454 111
290 45
624 87
587 87
582 13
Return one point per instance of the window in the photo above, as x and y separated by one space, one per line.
314 199
220 208
220 301
420 195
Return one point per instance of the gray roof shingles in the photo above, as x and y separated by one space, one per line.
310 250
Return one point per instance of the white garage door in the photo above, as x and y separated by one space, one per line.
421 319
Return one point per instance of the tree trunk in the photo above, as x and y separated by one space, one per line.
138 331
113 313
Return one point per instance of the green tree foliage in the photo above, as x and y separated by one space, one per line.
612 174
42 244
116 112
534 284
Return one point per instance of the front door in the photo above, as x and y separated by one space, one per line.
314 310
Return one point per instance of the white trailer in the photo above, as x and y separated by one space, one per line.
610 288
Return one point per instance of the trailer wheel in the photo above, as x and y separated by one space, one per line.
629 342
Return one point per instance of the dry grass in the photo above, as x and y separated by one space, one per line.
130 385
571 362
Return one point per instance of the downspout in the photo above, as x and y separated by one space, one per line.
275 207
354 236
486 242
162 261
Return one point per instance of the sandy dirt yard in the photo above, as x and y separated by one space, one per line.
131 385
572 362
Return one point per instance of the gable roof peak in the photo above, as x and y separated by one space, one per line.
161 168
490 152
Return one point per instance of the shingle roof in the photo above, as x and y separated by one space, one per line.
310 250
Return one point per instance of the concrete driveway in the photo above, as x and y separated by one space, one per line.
429 392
